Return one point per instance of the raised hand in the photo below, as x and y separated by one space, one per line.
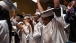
69 6
20 26
27 24
38 0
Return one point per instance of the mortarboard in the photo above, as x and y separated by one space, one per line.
47 13
37 13
19 16
8 5
15 3
27 16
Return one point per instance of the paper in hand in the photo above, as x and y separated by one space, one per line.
34 1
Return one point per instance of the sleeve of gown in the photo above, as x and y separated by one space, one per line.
36 34
67 17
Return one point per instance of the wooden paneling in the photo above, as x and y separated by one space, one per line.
27 6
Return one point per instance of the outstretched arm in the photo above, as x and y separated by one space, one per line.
56 3
39 6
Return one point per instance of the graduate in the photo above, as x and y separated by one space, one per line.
26 29
5 24
58 10
16 29
58 15
52 30
37 28
36 17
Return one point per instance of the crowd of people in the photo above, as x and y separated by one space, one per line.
56 24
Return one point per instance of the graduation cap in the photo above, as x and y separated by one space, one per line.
15 3
47 13
8 5
27 16
37 13
19 15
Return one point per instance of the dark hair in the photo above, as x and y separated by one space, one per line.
51 17
21 16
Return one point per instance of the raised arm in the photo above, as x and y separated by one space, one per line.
39 6
70 6
56 3
57 8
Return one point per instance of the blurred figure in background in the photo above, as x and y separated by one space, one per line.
16 31
26 29
71 18
5 36
36 17
37 28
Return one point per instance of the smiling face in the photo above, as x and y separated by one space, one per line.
26 20
18 19
36 17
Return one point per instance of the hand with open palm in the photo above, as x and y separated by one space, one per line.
69 7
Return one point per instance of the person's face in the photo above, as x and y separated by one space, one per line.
26 20
46 20
36 17
18 19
